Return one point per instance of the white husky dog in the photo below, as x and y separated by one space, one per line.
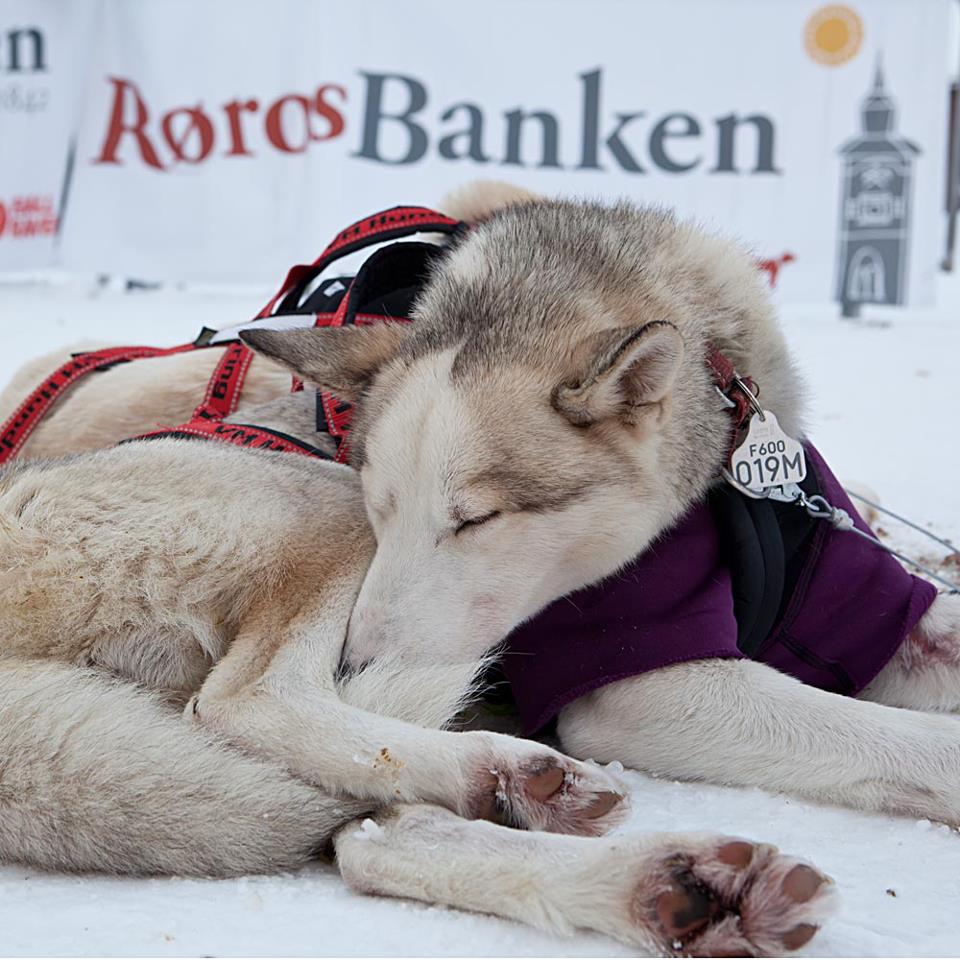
505 468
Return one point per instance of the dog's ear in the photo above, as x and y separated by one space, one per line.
628 370
341 360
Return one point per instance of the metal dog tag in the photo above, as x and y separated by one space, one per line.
766 458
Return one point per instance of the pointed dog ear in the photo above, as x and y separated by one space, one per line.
341 360
627 371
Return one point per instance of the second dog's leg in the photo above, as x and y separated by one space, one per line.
742 723
687 894
924 674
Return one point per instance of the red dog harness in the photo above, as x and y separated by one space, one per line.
226 382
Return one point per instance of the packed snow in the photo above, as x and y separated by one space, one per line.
885 397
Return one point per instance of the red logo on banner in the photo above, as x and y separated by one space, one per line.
188 134
30 215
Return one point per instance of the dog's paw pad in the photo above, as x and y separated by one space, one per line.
737 899
685 910
737 853
549 792
802 883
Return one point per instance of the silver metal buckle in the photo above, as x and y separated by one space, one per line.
751 396
740 384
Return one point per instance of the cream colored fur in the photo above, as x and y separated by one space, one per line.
621 885
480 199
223 579
161 564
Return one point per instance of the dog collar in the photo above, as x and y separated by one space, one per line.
739 394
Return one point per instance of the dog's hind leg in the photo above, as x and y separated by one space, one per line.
274 694
95 774
924 673
742 723
679 894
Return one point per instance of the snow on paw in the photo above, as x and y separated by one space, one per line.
733 898
548 791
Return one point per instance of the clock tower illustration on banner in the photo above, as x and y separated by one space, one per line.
875 193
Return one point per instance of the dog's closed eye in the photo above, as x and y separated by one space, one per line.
476 521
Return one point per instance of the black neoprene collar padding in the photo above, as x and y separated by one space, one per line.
763 545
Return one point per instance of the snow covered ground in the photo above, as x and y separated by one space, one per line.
886 394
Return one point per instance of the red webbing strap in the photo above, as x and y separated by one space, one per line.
24 420
336 412
337 415
294 278
220 400
722 369
223 394
225 383
733 388
238 434
387 225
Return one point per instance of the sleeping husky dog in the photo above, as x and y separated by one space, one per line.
546 417
168 574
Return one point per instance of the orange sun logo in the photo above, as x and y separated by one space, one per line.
833 35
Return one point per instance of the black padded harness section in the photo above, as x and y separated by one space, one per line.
386 284
763 544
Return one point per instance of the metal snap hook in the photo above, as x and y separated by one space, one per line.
751 396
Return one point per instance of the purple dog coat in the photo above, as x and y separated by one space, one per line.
845 606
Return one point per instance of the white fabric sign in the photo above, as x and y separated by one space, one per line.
40 42
226 140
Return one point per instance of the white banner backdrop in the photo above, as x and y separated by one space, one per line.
40 44
226 140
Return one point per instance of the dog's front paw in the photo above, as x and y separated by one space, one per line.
731 898
544 790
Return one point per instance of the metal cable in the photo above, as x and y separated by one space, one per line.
821 509
896 516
